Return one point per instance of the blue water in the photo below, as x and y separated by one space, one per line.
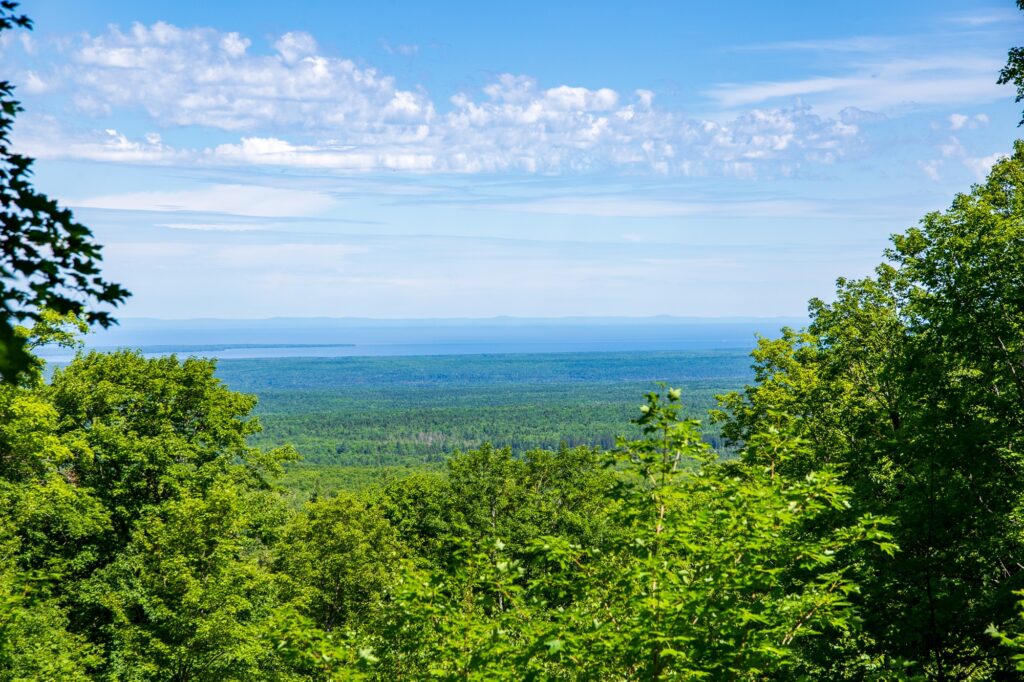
238 339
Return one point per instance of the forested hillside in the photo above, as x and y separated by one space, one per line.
868 527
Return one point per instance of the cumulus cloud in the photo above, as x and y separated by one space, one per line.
45 138
521 127
954 149
961 121
981 165
932 168
296 107
204 77
294 46
957 121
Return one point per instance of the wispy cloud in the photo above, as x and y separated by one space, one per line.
242 200
212 227
405 50
943 63
986 18
865 44
630 207
933 168
880 85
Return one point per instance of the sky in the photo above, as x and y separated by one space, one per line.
403 159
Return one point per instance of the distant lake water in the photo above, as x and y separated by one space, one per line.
393 350
231 340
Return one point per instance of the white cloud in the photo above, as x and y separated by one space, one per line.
628 207
961 121
243 200
499 136
296 107
881 85
234 45
522 126
954 149
866 44
986 18
957 121
276 152
212 227
932 168
204 77
34 85
981 165
295 46
45 138
404 50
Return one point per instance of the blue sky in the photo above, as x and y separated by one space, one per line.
410 159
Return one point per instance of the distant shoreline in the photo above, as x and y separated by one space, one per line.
251 340
177 348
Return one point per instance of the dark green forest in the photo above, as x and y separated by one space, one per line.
355 421
865 523
419 410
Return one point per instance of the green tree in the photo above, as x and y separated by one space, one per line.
721 570
48 261
490 492
191 596
726 570
144 431
339 555
35 642
1013 72
49 531
419 508
910 382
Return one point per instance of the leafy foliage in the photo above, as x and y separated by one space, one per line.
48 261
711 570
910 383
1013 72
